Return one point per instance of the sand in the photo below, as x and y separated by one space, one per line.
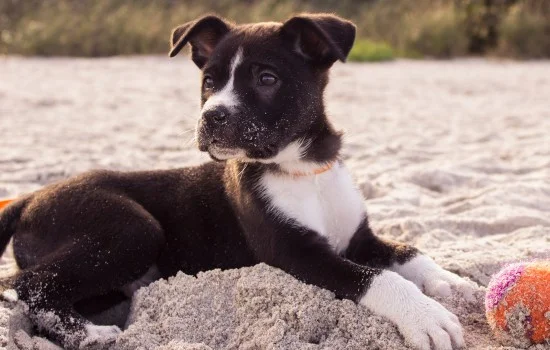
453 157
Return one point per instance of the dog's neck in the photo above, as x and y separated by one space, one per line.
319 149
324 143
310 154
308 172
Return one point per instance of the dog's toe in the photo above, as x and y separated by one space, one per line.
434 280
438 287
98 336
10 295
460 286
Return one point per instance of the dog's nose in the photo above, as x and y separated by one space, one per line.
216 115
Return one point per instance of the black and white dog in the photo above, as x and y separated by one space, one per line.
277 193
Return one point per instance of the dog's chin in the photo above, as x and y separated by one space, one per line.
220 154
213 157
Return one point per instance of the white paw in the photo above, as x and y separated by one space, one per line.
10 295
433 279
99 335
420 319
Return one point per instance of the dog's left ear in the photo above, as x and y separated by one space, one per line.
203 34
320 38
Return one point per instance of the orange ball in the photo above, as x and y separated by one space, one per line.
517 303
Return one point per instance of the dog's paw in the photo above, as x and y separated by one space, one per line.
421 320
98 337
433 279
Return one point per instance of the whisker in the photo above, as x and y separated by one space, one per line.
303 145
191 140
185 132
240 175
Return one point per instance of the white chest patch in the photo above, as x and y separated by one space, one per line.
328 203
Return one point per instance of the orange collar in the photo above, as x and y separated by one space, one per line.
317 171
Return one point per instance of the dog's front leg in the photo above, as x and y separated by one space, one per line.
308 256
367 249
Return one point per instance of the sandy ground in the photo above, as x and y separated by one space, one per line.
453 157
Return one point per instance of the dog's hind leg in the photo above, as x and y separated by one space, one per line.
91 266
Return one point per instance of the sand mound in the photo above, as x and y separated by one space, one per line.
251 308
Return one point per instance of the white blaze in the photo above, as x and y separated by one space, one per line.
226 96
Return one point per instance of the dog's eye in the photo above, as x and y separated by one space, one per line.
208 82
267 79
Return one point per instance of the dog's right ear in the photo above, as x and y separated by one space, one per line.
203 34
320 38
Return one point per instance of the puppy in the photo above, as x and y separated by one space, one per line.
277 192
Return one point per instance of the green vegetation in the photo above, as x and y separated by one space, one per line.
365 50
525 34
386 28
440 34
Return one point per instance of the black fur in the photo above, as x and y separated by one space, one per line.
203 34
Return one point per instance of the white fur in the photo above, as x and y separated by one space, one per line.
226 96
432 278
418 317
327 203
227 153
10 295
9 269
149 277
99 335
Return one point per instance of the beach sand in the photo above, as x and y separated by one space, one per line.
451 156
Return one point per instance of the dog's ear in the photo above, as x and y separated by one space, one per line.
320 38
203 34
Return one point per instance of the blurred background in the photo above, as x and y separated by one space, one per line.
387 28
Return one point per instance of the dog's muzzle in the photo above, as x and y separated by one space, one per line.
226 133
215 127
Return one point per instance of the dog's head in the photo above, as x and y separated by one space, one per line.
263 83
